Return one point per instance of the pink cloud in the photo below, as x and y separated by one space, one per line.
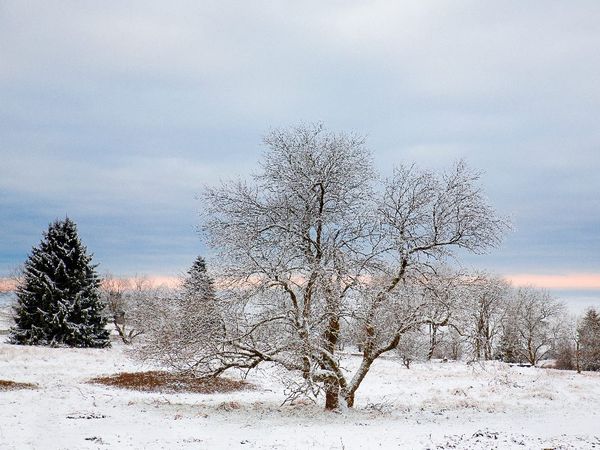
7 285
575 281
151 281
168 281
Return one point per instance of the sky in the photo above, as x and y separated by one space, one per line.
117 114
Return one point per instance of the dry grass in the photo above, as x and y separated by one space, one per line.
7 385
160 381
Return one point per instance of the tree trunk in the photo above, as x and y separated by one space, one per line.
357 380
432 341
530 353
332 396
332 388
350 400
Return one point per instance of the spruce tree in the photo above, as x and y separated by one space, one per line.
58 301
198 282
589 340
199 296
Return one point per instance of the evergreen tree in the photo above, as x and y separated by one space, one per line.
589 340
199 297
198 282
58 300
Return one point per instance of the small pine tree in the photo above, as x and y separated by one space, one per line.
589 339
198 288
58 300
198 282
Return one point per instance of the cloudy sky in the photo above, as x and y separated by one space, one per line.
117 113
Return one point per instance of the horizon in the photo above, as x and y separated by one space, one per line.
576 298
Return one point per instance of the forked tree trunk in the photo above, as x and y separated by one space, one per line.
359 376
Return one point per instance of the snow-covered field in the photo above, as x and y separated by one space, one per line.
434 405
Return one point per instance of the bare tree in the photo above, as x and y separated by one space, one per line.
413 346
444 291
309 246
568 341
454 344
8 298
122 298
483 311
537 325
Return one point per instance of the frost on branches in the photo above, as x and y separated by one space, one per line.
58 300
313 249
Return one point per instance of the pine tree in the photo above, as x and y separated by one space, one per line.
198 282
199 292
58 300
589 340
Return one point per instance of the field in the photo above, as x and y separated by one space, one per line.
432 405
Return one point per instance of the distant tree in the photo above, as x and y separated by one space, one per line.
454 344
58 300
122 298
484 310
537 323
565 357
15 275
589 340
198 282
8 286
182 327
566 351
443 292
509 347
413 346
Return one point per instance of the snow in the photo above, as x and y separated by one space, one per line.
432 405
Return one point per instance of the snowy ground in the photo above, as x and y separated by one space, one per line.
435 405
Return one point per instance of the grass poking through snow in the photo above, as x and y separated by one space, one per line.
7 385
161 381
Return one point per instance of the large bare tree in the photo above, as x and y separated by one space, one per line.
313 243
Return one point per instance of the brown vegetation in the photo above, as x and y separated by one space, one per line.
7 385
161 381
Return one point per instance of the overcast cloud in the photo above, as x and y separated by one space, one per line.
117 114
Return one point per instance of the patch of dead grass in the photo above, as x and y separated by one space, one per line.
7 385
162 381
